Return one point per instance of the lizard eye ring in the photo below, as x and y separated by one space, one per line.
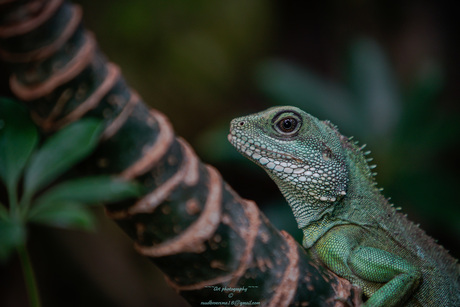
288 125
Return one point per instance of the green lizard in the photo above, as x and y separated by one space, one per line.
348 225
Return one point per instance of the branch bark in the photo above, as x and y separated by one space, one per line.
190 223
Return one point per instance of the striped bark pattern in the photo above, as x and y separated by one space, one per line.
190 223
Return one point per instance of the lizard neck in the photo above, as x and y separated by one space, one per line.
362 187
307 209
356 207
317 229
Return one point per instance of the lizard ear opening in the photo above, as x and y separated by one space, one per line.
327 154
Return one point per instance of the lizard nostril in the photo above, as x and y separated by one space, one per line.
241 123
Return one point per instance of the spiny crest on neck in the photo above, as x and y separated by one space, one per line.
360 156
359 152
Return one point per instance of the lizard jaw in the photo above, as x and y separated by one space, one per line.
268 157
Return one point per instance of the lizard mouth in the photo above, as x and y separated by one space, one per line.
264 155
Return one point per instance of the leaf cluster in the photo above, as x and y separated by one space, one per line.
30 175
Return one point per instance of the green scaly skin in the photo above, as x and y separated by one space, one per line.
348 225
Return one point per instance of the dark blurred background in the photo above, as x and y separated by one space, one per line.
386 72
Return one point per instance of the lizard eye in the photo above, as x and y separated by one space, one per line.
288 125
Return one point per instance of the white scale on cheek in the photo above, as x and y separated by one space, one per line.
271 165
263 161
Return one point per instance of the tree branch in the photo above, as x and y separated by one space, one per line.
190 223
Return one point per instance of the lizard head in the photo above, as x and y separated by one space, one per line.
302 154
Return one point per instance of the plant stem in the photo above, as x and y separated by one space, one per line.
29 276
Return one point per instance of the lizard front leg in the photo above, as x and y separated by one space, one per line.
375 265
341 251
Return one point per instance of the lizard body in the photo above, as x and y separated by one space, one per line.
347 223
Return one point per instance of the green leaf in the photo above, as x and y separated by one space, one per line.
18 138
60 152
88 190
68 215
12 235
